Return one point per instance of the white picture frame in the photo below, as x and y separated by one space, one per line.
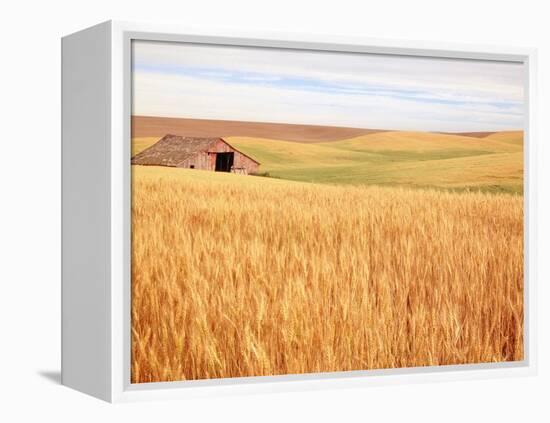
96 107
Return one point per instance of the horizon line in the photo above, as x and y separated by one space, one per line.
335 126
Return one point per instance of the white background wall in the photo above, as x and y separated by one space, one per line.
30 207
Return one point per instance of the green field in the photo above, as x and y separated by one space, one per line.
395 158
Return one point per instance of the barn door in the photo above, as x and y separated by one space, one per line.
224 162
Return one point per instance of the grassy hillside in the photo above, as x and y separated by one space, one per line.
512 137
425 143
413 159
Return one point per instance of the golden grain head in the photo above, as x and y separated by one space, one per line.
241 276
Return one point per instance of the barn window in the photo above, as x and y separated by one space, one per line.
192 167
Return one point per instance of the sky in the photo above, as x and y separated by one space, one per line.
325 88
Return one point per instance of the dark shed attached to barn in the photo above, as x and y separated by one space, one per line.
196 153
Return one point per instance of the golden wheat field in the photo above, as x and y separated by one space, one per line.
245 276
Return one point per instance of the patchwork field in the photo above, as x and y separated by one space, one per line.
236 275
492 163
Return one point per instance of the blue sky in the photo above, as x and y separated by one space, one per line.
340 89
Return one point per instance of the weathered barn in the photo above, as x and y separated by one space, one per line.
196 153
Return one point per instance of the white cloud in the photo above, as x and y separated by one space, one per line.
358 90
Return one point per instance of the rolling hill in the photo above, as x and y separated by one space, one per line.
149 126
410 159
489 163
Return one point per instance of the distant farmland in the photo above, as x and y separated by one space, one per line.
491 162
149 126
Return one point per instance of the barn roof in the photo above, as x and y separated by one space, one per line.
171 150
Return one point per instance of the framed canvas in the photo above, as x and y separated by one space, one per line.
265 212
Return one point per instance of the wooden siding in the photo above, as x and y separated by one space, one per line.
206 160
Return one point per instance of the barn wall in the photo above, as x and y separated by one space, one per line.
207 161
201 160
241 161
